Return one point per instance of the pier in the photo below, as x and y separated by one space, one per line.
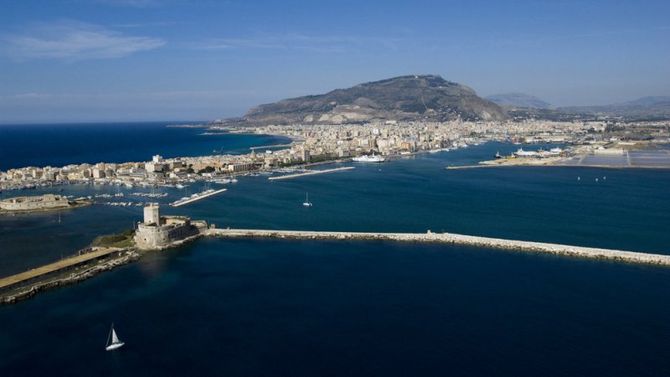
311 172
458 167
271 146
454 239
56 266
196 197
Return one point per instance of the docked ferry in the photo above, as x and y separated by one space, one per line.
366 158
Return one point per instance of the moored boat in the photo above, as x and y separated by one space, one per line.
369 158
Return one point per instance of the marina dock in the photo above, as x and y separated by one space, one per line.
56 266
454 239
310 172
196 197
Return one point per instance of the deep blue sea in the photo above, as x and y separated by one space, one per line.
62 144
308 308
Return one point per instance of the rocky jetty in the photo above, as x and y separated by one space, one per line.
456 239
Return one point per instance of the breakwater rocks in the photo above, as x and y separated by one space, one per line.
19 287
454 239
67 278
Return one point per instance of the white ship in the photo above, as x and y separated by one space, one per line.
366 158
224 181
113 341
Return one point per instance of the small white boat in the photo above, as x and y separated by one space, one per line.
307 203
113 341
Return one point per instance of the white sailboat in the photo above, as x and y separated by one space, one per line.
307 203
113 341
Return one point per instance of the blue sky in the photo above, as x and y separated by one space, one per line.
115 60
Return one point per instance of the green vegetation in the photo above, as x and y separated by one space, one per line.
124 239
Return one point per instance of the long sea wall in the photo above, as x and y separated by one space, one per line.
454 239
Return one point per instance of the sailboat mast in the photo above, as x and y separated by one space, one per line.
109 336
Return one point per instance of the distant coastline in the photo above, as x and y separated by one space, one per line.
40 145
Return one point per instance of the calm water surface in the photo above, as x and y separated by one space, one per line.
62 144
274 308
301 308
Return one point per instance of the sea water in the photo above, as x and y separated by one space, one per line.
306 308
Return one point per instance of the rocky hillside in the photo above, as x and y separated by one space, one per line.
518 100
405 98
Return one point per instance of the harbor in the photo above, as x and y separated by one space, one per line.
610 158
195 197
357 189
310 172
97 259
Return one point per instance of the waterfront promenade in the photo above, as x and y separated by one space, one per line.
454 239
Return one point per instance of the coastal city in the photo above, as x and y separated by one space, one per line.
314 144
605 144
342 188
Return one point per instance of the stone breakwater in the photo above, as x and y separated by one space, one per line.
454 239
124 257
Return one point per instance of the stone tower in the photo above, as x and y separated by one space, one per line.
152 214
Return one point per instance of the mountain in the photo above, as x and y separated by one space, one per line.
518 100
642 108
405 98
650 101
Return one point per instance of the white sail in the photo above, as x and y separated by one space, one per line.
115 339
115 342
